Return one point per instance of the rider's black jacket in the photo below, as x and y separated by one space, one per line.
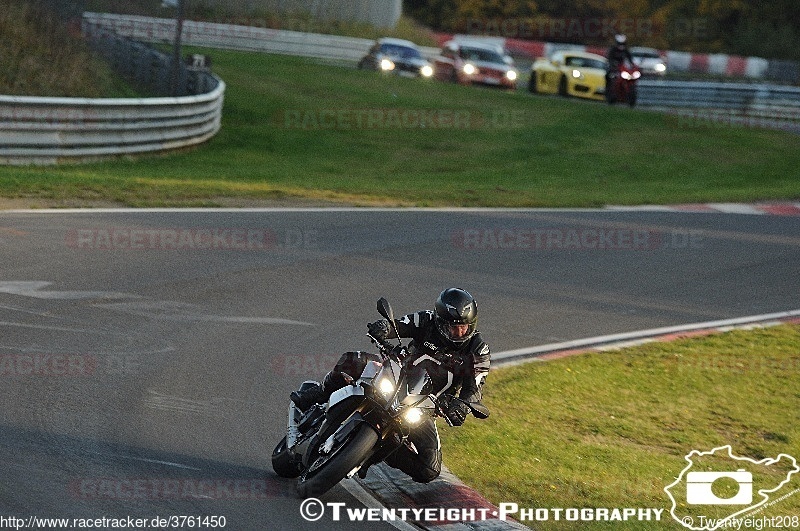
468 361
617 55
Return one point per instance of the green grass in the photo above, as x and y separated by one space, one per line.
612 429
42 57
516 150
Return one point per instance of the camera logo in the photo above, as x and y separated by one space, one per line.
698 488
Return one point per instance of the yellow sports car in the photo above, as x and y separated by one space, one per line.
570 73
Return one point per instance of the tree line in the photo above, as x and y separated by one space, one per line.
743 27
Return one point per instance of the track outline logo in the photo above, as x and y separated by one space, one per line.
688 521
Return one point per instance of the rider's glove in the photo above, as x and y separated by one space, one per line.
457 412
379 329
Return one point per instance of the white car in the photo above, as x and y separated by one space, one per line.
649 60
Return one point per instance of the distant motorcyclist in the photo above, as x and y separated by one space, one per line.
448 334
617 55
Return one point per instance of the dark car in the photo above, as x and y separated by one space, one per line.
396 56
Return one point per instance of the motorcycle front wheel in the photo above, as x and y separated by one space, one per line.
328 470
632 97
284 463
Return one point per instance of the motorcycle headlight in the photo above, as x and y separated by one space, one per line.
636 75
626 76
469 69
413 415
386 65
386 387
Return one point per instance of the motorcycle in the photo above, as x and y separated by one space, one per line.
622 84
367 420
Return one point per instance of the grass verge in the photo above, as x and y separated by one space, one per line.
607 430
42 57
296 128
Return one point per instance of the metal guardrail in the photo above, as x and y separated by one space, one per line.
243 38
40 130
762 105
51 130
740 96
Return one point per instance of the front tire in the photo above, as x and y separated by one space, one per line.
562 86
284 463
454 77
322 476
632 96
611 96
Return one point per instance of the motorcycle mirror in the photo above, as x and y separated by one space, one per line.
385 309
479 410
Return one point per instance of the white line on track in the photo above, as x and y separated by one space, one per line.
641 335
761 209
364 496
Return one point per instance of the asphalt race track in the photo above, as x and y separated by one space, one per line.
146 357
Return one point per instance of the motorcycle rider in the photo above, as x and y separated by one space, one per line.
448 334
617 55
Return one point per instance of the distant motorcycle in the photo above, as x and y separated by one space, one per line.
622 84
365 421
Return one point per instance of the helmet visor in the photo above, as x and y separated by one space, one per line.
456 332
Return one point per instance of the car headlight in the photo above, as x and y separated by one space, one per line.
469 69
511 75
413 415
660 67
386 65
426 71
577 74
386 387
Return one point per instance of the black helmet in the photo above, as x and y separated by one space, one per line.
456 307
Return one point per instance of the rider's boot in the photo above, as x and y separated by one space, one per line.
319 393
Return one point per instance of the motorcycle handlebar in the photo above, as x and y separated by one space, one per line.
381 343
386 348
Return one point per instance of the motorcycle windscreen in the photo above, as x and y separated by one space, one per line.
371 370
425 377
